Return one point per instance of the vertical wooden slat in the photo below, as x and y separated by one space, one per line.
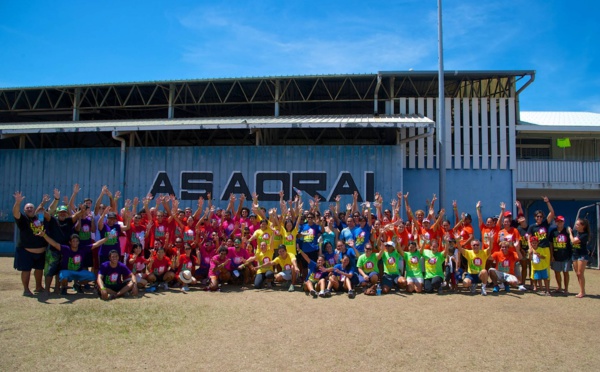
494 134
430 141
421 141
466 134
411 149
456 125
475 130
402 105
502 126
485 148
512 141
447 133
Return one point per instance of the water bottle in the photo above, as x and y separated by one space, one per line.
378 289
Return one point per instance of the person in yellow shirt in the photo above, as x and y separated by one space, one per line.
289 267
263 256
476 260
540 262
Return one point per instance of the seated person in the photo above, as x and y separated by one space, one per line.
161 269
316 279
115 279
289 268
504 272
218 272
344 277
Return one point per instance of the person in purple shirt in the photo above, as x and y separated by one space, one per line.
72 266
115 279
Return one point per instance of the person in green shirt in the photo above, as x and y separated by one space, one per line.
391 271
367 267
414 276
434 267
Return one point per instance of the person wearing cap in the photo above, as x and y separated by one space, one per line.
161 269
391 271
111 230
434 267
30 250
560 244
504 270
476 260
367 266
59 228
540 262
413 282
72 258
579 240
428 232
186 262
115 279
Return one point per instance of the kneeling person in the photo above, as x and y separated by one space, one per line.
504 272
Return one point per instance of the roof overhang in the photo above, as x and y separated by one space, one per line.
250 123
555 129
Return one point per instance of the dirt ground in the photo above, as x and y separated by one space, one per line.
276 330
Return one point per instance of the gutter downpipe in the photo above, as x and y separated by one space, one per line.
419 136
376 96
115 136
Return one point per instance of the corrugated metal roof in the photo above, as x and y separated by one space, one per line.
333 121
559 122
560 118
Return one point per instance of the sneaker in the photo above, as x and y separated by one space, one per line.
327 293
440 290
522 288
87 287
185 288
63 291
78 288
483 292
496 289
313 293
506 288
291 288
473 286
351 294
322 294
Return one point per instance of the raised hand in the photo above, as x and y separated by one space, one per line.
18 197
56 194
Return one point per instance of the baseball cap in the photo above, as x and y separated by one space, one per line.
507 213
533 238
389 242
62 208
560 218
111 215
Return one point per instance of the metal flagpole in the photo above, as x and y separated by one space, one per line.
440 122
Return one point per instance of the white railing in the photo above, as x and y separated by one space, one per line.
586 173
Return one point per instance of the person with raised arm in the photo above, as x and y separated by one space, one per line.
562 252
316 280
504 270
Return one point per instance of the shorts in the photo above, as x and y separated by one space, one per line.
580 257
562 266
286 274
27 261
504 277
412 280
389 280
201 272
474 278
540 274
371 274
82 275
52 266
115 287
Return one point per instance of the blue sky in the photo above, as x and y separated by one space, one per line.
83 42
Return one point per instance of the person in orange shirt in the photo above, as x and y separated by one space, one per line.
504 272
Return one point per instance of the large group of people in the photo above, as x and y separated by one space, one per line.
152 244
